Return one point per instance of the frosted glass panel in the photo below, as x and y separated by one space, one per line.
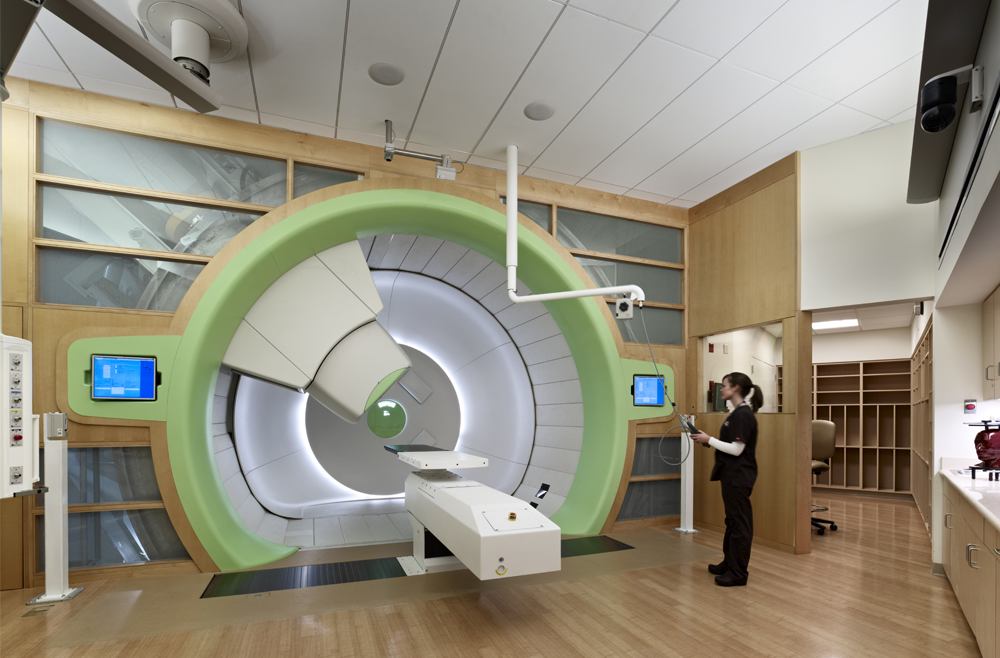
665 326
124 221
584 230
98 539
154 164
109 475
653 498
536 212
652 454
309 179
659 283
87 279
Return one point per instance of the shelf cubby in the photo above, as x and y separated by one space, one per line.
903 428
852 466
837 398
853 425
837 468
869 426
837 369
886 426
887 397
902 470
837 416
886 367
838 384
887 382
886 470
869 468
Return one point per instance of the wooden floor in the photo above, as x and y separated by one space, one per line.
865 590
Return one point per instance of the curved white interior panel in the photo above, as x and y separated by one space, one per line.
356 458
354 368
347 262
250 352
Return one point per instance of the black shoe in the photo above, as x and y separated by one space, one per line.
718 569
729 580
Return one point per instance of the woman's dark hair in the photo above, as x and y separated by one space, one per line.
746 388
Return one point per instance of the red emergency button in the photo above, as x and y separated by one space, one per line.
18 437
970 406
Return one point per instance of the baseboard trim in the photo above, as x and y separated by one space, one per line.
938 569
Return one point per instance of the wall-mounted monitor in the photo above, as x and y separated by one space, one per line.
123 378
647 390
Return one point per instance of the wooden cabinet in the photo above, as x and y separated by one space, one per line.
869 403
972 564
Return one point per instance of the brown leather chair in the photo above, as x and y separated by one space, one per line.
824 445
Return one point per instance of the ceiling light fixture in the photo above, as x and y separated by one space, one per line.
386 74
539 110
835 324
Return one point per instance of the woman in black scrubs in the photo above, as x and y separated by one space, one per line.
736 468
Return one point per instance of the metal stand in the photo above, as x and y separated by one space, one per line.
687 488
56 514
419 564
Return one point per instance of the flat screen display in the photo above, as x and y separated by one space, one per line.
123 378
647 391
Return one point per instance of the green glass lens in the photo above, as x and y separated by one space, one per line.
386 418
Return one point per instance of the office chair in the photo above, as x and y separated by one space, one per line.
824 442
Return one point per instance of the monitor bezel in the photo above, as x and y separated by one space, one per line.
93 378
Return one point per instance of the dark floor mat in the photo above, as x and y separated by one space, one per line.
243 583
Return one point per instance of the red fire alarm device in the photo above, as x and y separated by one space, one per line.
711 348
970 406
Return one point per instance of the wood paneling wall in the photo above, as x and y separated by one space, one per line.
46 325
744 272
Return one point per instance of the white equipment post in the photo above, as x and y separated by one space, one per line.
687 486
56 513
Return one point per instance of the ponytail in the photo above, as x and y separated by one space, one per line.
752 394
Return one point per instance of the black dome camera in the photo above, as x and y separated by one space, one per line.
937 103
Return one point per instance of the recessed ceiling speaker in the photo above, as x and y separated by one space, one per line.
386 74
539 110
196 31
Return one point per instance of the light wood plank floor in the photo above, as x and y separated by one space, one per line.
866 590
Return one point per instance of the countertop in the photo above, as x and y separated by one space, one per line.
983 494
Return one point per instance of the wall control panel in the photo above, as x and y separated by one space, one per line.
19 456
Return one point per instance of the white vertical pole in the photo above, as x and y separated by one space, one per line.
56 513
687 485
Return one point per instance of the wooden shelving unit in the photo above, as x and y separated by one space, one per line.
780 389
922 378
869 403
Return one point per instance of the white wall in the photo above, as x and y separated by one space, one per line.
957 377
744 346
863 346
919 324
861 242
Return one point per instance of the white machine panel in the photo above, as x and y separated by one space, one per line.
442 459
19 457
493 535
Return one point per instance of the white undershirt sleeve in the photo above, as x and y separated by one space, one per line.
735 448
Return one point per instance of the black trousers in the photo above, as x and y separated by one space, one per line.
739 528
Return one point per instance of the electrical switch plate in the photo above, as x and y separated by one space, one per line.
725 348
16 474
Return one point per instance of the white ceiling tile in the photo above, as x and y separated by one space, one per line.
141 94
37 51
299 126
640 14
62 78
834 124
716 97
909 114
893 37
84 57
490 163
603 187
487 49
401 32
654 75
799 32
684 203
535 172
233 82
713 27
296 57
567 71
655 198
237 113
891 94
879 126
763 122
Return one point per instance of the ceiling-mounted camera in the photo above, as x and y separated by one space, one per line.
939 97
623 308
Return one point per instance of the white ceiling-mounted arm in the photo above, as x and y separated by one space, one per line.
634 292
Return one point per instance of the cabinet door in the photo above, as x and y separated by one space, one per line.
989 348
948 541
982 583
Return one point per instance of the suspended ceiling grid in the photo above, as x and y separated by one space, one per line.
666 100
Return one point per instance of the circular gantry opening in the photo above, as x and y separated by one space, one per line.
386 419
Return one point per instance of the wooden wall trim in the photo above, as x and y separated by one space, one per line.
768 176
803 422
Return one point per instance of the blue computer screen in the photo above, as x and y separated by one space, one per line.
123 378
647 391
